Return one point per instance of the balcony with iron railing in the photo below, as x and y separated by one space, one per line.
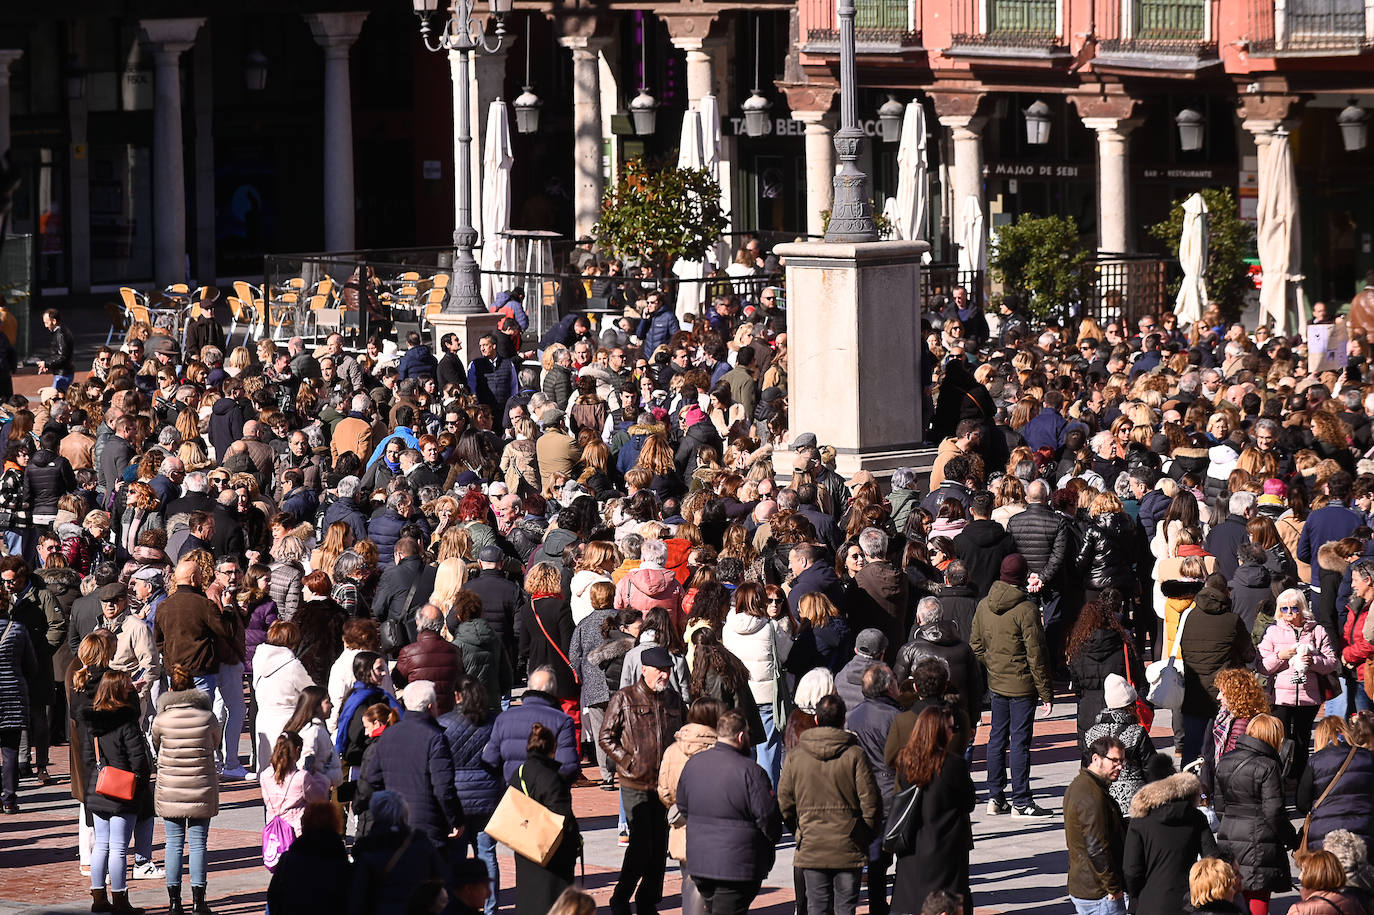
1007 28
880 27
1309 28
1154 35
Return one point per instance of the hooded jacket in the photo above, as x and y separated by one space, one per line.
484 657
689 740
185 735
733 822
226 425
982 545
644 589
1009 640
1251 592
941 640
47 478
1166 835
418 360
1213 638
829 800
761 646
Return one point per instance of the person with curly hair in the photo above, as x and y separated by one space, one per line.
1240 697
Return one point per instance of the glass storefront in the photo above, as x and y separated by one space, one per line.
121 213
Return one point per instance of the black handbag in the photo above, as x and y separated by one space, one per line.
393 632
899 837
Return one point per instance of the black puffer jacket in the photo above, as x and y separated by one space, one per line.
1105 560
1255 831
48 478
1166 834
982 545
957 605
1213 638
1041 535
941 640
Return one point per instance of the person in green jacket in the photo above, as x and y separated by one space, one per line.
1009 641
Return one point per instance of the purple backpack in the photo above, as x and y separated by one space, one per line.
277 837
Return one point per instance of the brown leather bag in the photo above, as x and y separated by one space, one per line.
1307 822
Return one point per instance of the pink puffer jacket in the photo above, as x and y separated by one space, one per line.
1321 660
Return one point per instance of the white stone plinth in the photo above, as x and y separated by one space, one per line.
469 328
853 322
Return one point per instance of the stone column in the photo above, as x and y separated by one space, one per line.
820 166
700 78
7 59
168 39
966 132
589 180
1114 227
336 32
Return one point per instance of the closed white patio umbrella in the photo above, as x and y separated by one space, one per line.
690 154
1277 236
498 252
973 242
913 183
1192 256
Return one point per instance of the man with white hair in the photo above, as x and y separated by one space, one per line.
345 508
933 636
1225 537
354 431
412 759
883 596
166 483
650 585
431 657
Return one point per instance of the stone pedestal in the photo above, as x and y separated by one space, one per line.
854 343
469 328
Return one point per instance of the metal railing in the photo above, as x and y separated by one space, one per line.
877 24
939 280
1169 27
1027 24
1309 27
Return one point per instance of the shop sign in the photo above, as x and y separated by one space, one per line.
1188 173
1039 170
788 127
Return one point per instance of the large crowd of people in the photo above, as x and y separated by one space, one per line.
388 587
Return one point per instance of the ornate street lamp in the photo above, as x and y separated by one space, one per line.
851 213
644 107
462 33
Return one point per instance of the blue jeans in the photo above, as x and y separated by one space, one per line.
14 543
230 710
769 753
178 830
1194 730
1013 723
143 840
62 382
1104 906
110 850
474 837
206 683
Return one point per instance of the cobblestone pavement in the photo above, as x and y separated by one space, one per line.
1018 865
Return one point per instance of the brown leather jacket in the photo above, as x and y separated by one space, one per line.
639 727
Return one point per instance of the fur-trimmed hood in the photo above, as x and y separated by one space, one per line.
617 646
1182 791
1329 559
192 697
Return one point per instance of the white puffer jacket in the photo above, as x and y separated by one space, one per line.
579 597
758 643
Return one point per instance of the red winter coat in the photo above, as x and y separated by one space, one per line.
1357 649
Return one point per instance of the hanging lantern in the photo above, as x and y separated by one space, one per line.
527 106
644 112
1189 124
1038 123
756 109
1354 122
890 116
255 71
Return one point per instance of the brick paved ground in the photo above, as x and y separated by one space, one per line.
1018 866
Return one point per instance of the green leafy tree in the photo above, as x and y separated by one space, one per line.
1040 258
1230 240
662 214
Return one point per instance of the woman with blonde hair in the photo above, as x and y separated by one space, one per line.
1105 559
1296 654
142 512
1213 884
456 544
449 578
239 360
1011 499
338 538
519 460
824 638
1350 803
1255 831
598 560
